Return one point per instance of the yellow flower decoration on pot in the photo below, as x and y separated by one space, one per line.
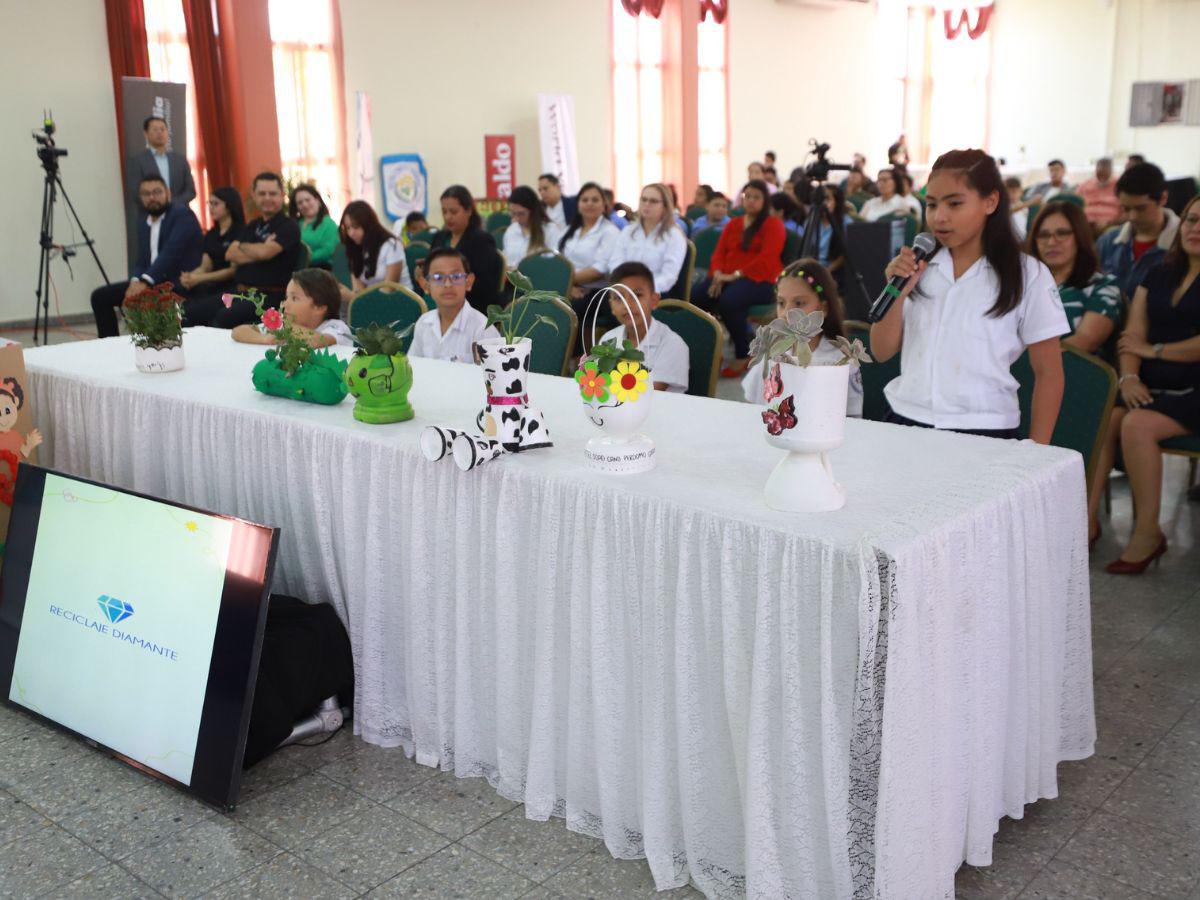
629 381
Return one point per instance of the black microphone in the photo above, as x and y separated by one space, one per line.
924 247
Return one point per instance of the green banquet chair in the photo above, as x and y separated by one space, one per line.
875 375
682 288
303 257
792 245
706 245
413 254
551 351
549 271
703 336
424 237
498 234
386 303
341 265
694 212
498 220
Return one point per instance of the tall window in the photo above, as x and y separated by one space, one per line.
637 103
712 105
170 60
307 84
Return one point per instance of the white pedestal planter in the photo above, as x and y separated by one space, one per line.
158 359
808 418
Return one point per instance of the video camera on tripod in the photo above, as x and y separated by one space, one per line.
48 152
818 170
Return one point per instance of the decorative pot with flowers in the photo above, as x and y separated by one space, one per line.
805 412
155 323
617 393
292 368
379 375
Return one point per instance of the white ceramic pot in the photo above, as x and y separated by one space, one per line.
805 415
618 404
159 359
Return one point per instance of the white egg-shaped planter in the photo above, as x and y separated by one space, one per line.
617 403
806 416
158 359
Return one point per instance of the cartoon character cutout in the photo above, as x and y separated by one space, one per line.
12 398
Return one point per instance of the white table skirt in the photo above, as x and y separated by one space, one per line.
832 705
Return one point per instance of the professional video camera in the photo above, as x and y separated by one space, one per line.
48 152
819 169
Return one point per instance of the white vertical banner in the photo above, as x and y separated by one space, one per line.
364 155
556 125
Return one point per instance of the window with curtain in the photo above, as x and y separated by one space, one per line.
637 86
712 104
306 95
170 60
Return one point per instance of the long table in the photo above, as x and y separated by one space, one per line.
768 704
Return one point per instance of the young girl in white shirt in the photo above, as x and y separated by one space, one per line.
654 239
373 253
530 230
978 304
806 285
312 302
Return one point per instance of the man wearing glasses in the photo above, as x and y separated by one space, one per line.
450 331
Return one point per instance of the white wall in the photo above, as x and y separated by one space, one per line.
65 67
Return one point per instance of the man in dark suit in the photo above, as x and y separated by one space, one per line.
156 159
559 209
169 242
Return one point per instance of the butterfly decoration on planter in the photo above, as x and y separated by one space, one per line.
782 418
772 384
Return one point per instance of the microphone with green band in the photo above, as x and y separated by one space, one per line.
923 247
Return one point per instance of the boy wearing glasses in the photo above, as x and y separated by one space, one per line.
449 331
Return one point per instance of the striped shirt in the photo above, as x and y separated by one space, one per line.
1100 295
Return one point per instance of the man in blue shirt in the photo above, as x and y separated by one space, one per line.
716 214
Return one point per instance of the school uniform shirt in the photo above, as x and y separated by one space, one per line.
457 344
662 254
592 250
954 368
667 356
516 242
876 208
390 253
826 354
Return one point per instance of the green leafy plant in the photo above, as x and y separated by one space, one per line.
291 349
606 354
380 340
787 339
153 317
510 324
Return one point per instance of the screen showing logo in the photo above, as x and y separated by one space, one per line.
116 610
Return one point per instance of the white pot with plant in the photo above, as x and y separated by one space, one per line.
806 410
154 320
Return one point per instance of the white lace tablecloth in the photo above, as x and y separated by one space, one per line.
772 705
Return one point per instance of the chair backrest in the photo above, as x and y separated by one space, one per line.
341 265
1068 198
549 271
496 220
737 211
875 375
694 212
858 198
383 304
413 254
551 350
498 234
706 245
503 271
1088 396
682 288
303 257
425 237
792 245
703 336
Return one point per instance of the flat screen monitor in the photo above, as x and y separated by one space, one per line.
135 623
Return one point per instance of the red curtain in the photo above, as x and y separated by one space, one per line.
126 21
652 8
718 9
983 15
219 129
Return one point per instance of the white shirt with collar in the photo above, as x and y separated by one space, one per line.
667 355
876 208
592 250
457 344
662 254
954 366
516 241
390 253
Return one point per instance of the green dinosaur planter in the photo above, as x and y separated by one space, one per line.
381 384
318 380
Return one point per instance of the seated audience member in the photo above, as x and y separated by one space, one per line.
312 302
588 243
1129 252
716 214
893 199
169 243
769 158
743 270
215 275
859 188
787 211
807 286
317 229
1159 361
618 213
462 230
1057 184
831 251
1016 202
265 255
1062 239
667 355
898 153
450 330
414 223
654 239
530 231
1134 159
374 254
703 194
1100 196
756 171
559 209
771 177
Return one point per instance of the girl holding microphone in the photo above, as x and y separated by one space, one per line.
966 315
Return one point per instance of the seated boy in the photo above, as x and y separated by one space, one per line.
667 355
312 301
450 331
414 223
716 214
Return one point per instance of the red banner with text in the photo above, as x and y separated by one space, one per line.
500 165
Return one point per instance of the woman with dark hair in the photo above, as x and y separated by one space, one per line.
1159 361
373 252
462 230
894 198
214 276
316 225
786 210
1062 239
530 231
589 240
979 304
743 270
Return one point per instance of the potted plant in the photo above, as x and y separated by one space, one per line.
155 325
292 368
379 375
806 410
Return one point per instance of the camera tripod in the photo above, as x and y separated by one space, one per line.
818 174
49 154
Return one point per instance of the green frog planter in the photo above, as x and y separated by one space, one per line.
316 380
379 375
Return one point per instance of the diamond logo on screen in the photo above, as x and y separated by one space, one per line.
116 610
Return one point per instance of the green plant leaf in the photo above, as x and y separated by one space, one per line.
520 280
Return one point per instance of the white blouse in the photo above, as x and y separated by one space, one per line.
876 208
516 241
592 250
390 253
661 254
955 359
667 355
